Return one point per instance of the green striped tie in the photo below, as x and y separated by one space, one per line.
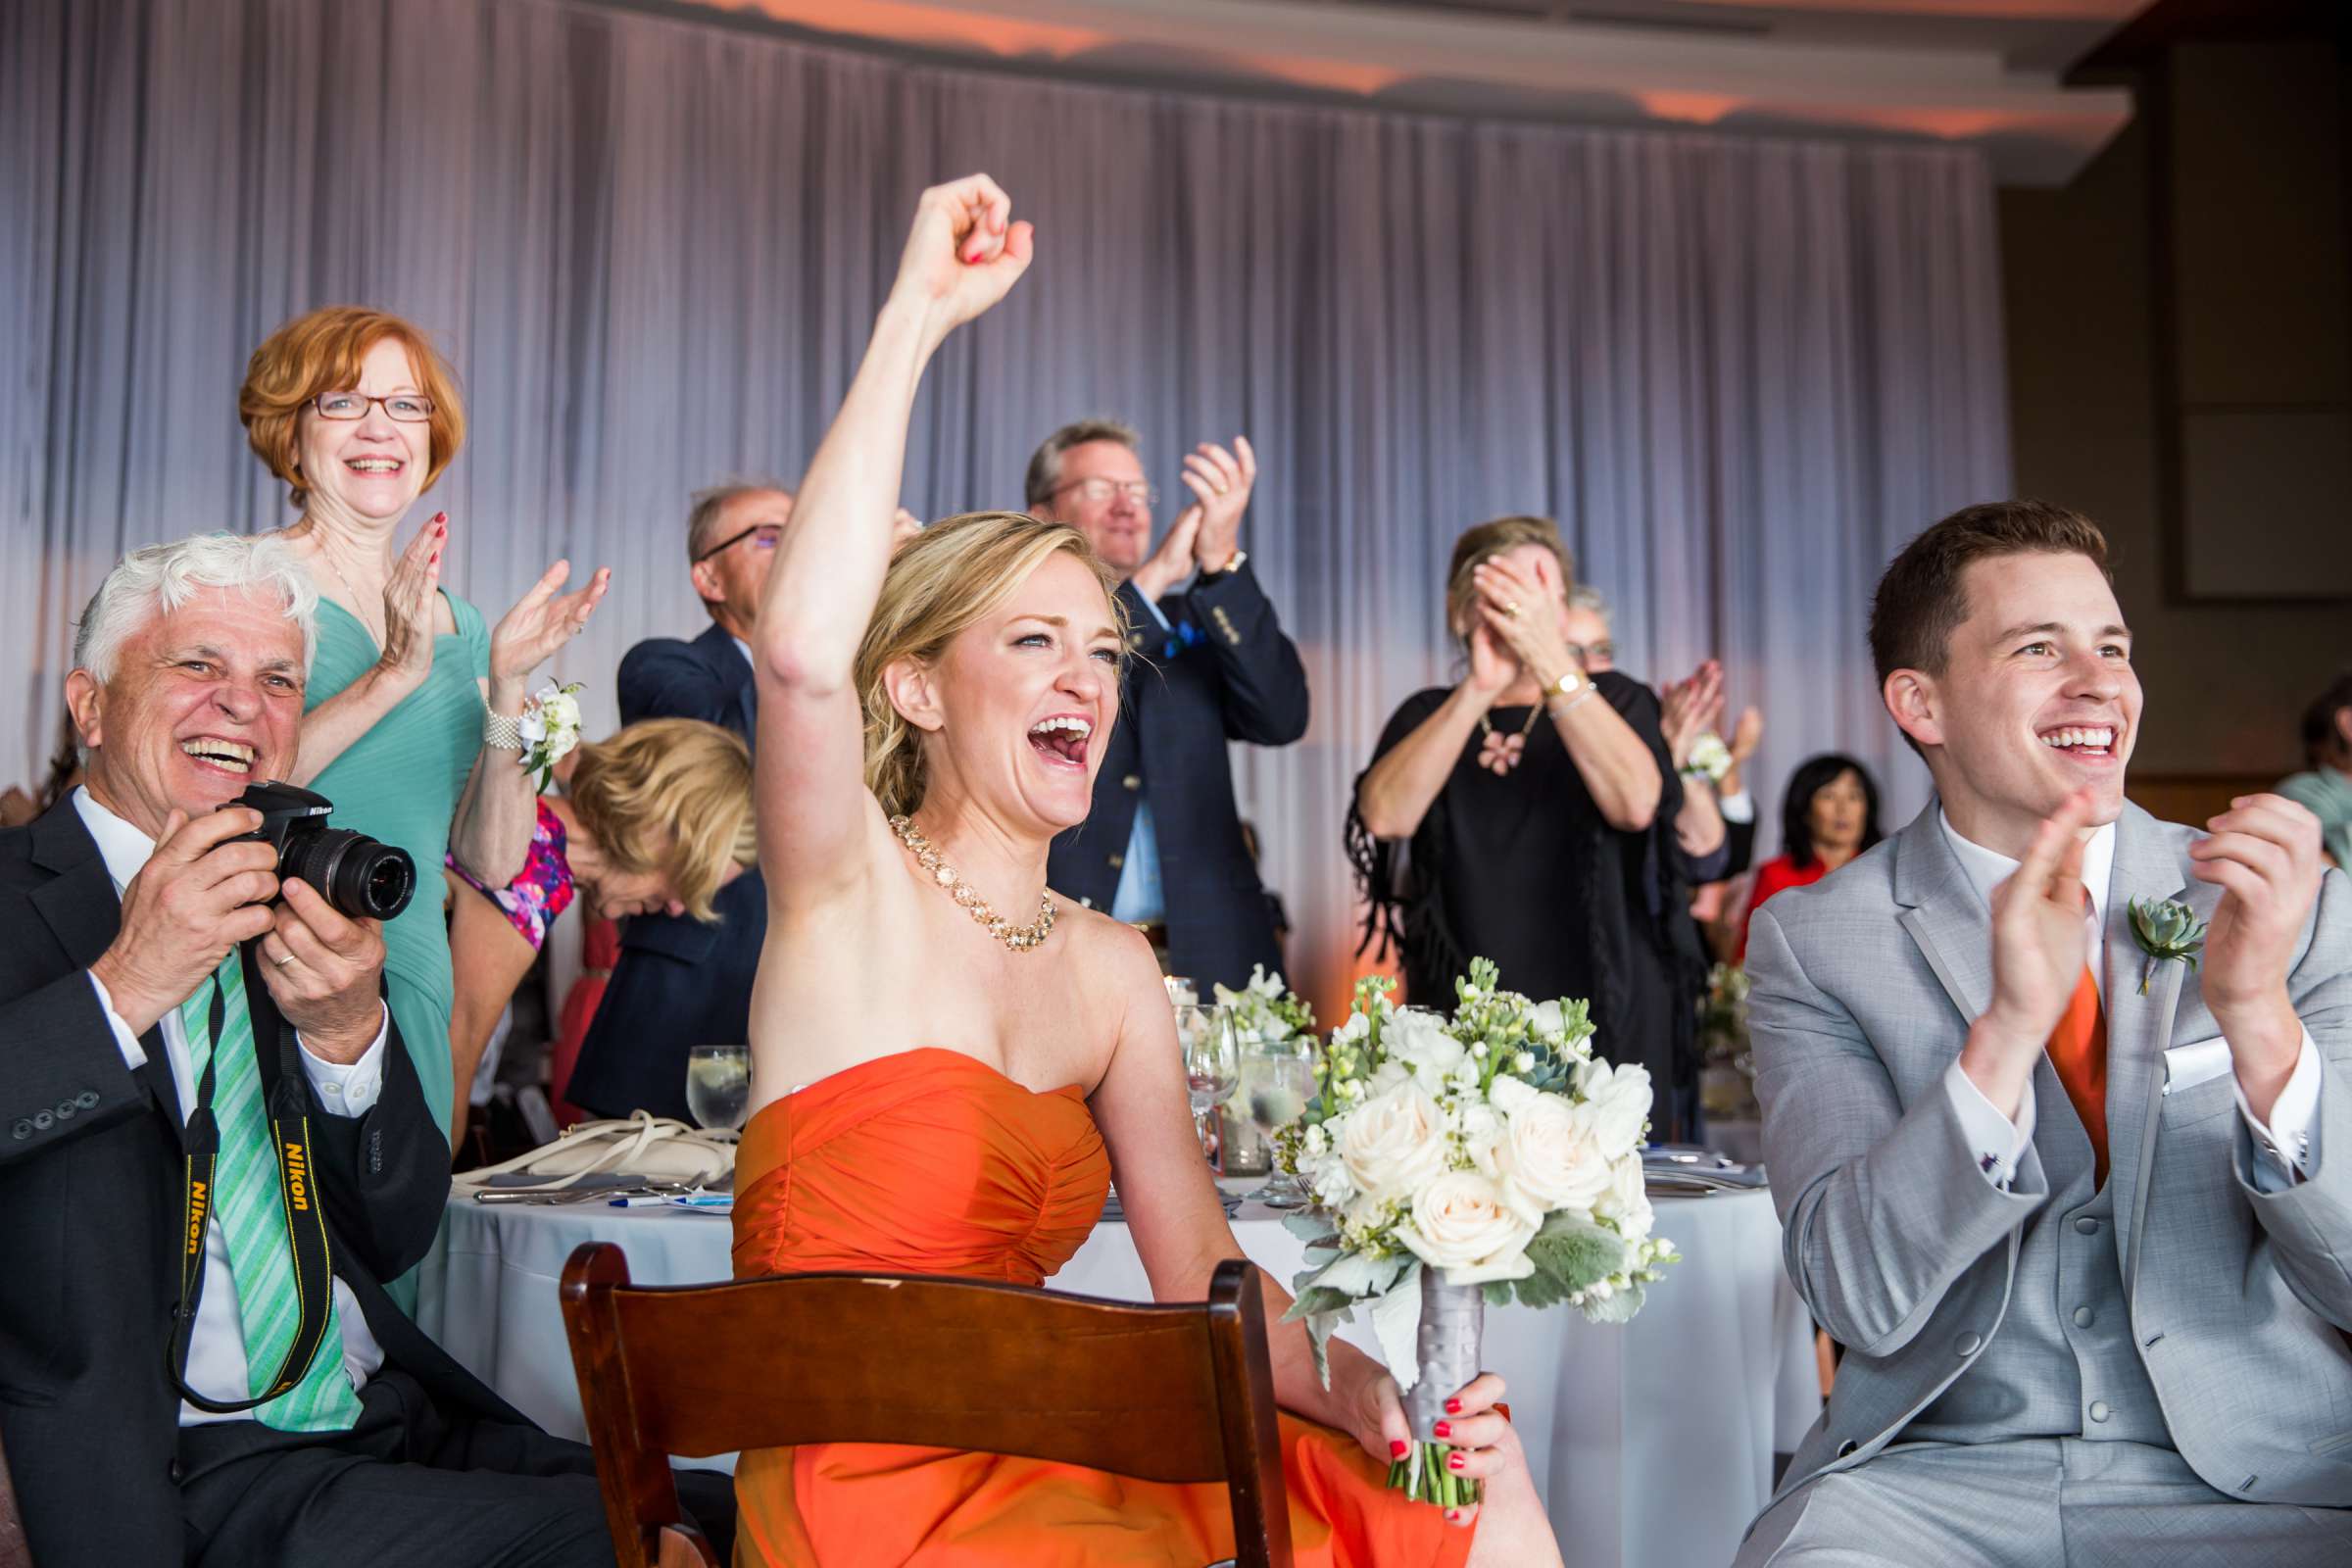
251 1212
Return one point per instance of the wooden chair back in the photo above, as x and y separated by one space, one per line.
1180 1392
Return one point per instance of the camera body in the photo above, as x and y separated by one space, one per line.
360 877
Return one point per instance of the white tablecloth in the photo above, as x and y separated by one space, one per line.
1652 1443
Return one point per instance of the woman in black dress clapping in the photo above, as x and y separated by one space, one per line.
1510 815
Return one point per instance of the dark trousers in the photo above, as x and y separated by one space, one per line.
406 1484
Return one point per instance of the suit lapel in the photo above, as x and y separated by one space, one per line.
1943 915
83 913
2139 1028
726 661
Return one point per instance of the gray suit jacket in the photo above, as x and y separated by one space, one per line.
1865 986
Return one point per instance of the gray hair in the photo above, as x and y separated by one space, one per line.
1045 465
157 579
704 506
1584 596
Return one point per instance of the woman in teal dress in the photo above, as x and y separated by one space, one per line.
407 728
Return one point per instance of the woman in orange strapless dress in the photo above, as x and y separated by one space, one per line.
927 724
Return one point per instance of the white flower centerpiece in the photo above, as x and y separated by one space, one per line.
1490 1158
551 728
1264 1008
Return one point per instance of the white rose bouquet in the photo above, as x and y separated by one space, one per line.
551 728
1493 1158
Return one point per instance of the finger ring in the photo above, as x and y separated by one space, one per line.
1512 610
282 959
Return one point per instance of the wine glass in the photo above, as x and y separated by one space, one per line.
1181 991
718 1086
1211 1061
1278 1079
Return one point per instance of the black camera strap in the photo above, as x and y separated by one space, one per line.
305 1213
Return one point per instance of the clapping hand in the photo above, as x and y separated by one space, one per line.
2038 950
412 602
1523 615
1222 480
1493 667
1747 735
1688 709
2264 854
541 623
964 251
1172 562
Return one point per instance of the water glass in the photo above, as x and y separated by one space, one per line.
718 1086
1213 1065
1278 1079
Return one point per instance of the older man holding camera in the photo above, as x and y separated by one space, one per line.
192 1048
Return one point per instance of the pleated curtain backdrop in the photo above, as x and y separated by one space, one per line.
1739 371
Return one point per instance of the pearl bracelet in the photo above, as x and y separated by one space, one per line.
500 730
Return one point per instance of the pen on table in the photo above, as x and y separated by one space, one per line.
637 1203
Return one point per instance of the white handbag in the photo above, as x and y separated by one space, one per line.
658 1148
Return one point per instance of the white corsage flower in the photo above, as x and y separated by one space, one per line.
550 723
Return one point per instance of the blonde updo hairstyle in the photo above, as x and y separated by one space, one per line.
670 795
1484 543
943 582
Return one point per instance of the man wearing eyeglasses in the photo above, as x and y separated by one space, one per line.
1162 848
680 983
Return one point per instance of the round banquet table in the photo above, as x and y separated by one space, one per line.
1652 1443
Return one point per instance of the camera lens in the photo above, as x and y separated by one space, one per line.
359 876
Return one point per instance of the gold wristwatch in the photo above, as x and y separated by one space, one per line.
1572 680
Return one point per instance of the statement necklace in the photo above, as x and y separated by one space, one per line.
1503 753
1019 937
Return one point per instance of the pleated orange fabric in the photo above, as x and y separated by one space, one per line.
931 1162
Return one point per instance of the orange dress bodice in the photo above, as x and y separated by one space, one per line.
931 1162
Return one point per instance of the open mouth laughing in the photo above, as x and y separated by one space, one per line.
230 757
1062 739
2090 742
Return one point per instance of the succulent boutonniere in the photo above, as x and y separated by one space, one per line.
2166 930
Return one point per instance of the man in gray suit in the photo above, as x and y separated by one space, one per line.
2068 1207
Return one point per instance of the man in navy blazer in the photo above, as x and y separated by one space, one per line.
681 983
1162 847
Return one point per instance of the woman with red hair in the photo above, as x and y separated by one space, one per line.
413 702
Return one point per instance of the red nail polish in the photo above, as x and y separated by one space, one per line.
1442 1429
1453 1407
1397 1447
1454 1462
1453 1516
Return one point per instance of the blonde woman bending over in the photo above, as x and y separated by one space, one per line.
950 1062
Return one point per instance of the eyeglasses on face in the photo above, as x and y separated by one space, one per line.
1594 656
763 535
405 408
1096 492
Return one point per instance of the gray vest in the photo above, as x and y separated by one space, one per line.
2062 1364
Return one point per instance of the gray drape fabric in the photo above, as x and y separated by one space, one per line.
1739 372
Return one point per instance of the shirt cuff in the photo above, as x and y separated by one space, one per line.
134 1055
349 1089
1997 1142
1739 808
2286 1141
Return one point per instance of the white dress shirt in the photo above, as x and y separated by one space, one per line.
2000 1142
216 1366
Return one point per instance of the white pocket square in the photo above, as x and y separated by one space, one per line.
2187 1066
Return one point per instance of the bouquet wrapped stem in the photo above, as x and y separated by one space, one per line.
1454 1321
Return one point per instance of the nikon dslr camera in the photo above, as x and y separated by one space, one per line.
359 876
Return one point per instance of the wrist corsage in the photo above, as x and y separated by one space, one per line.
1710 758
551 728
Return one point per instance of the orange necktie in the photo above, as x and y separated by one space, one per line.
2079 1051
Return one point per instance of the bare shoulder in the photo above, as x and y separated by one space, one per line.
1112 955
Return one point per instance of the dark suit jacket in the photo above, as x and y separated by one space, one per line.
1227 673
680 982
90 1190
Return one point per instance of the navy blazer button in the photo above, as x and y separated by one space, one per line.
1969 1344
43 1120
1133 781
1117 860
64 1110
86 1098
22 1128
